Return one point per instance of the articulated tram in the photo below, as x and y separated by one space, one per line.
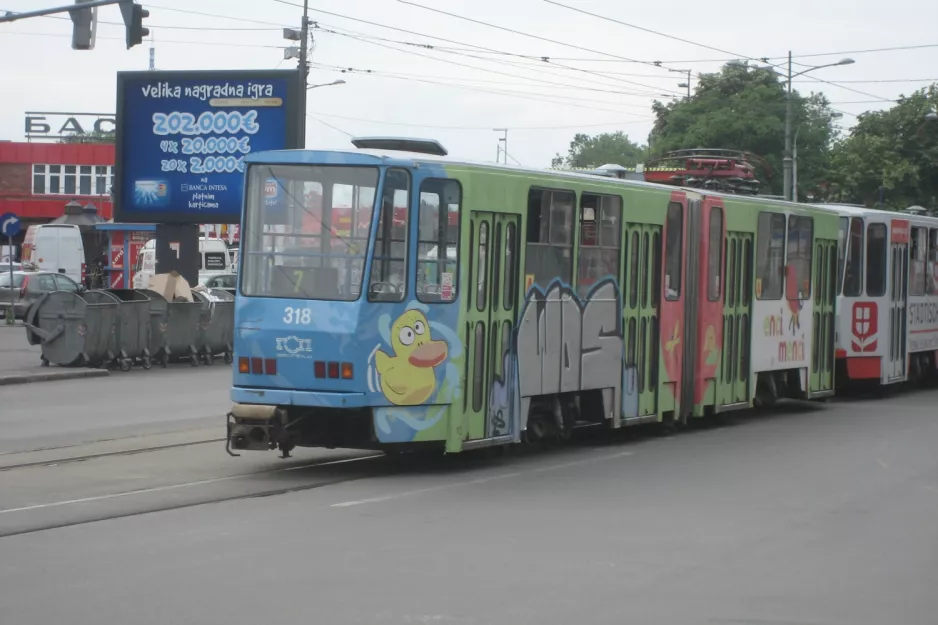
464 305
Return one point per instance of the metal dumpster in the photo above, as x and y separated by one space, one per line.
174 329
75 330
216 326
133 325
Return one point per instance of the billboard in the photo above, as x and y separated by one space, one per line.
182 137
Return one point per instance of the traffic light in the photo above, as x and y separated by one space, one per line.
133 21
84 26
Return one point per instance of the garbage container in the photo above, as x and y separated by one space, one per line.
133 325
174 329
74 330
216 326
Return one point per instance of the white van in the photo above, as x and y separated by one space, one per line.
57 248
214 254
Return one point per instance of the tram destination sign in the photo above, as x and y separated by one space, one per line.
182 138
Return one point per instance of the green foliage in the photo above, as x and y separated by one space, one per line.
602 149
89 137
896 149
743 108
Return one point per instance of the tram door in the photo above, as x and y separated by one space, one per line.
737 315
492 303
823 321
898 298
641 299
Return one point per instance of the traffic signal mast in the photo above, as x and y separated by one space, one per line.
84 14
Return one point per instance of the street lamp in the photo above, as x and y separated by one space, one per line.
787 160
794 159
327 84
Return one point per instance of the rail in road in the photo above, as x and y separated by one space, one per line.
43 489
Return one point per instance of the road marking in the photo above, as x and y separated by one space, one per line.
158 489
483 480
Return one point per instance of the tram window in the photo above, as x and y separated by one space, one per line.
747 273
876 260
306 230
548 251
508 298
655 269
673 251
842 234
853 274
388 281
800 252
482 267
438 240
600 236
918 252
932 281
770 261
478 369
644 270
496 265
633 270
714 248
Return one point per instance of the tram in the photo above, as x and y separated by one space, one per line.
465 305
887 296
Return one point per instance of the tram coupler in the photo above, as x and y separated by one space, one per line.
255 427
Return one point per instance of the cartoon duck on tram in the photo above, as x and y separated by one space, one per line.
408 377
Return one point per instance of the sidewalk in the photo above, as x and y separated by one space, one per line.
19 361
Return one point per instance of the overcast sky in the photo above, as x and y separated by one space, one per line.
460 90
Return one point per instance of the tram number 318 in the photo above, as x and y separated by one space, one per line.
299 316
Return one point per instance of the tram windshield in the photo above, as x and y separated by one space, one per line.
306 230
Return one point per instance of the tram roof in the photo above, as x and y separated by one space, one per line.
394 158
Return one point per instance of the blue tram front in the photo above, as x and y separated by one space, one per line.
343 330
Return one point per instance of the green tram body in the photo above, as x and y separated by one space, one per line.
554 339
502 195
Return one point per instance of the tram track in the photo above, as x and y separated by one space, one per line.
147 507
105 454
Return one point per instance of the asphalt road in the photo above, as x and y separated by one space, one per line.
824 516
135 402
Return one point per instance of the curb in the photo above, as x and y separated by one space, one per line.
53 376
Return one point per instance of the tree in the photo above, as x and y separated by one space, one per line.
742 107
95 136
891 154
605 148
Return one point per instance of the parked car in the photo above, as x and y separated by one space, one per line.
29 286
223 281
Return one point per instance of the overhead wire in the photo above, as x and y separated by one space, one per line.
507 93
455 83
543 59
694 43
484 128
491 71
524 34
537 68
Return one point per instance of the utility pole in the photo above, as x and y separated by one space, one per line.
152 54
683 84
501 148
787 158
303 66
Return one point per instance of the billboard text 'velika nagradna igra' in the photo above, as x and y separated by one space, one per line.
182 137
